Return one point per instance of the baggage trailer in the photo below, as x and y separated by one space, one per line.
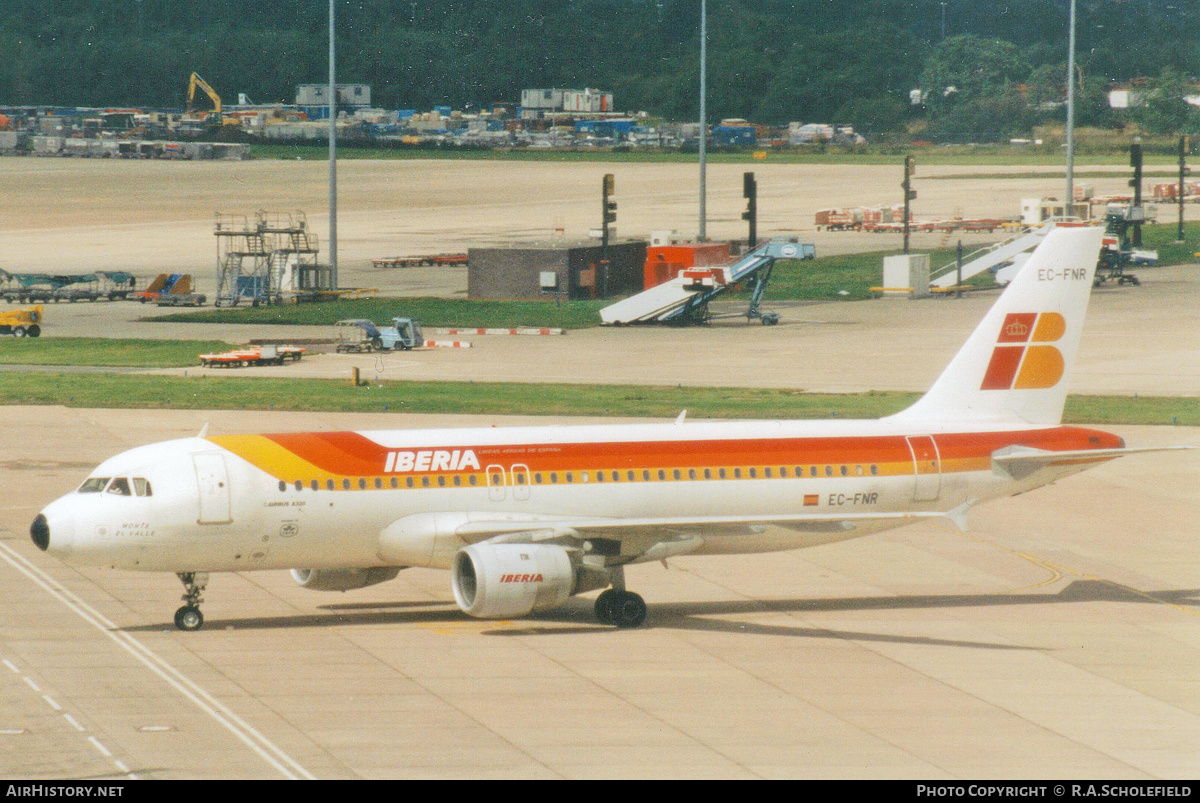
255 355
357 335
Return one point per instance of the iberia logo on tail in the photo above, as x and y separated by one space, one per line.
1021 359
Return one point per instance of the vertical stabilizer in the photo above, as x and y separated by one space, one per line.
1016 364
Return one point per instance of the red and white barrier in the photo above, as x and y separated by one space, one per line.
447 344
525 330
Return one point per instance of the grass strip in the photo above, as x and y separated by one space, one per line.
1056 174
429 311
881 154
625 401
106 352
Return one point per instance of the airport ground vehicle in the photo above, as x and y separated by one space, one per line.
359 335
404 334
21 322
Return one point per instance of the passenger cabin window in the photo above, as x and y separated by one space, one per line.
94 485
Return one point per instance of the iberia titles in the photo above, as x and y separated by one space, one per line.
431 460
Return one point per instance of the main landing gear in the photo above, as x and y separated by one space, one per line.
619 607
189 617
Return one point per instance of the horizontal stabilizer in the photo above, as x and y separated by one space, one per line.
1021 461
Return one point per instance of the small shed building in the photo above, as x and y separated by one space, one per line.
556 270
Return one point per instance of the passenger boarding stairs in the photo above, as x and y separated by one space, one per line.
684 299
1013 250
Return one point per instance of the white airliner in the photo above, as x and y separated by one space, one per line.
526 517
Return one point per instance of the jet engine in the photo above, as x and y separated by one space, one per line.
344 579
499 581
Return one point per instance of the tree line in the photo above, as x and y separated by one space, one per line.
982 66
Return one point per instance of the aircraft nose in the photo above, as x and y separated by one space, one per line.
39 532
53 533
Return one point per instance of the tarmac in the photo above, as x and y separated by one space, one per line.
1057 639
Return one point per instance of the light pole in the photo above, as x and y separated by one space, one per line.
943 5
703 128
333 260
1069 202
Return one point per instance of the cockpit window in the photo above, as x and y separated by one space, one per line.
120 487
93 485
141 487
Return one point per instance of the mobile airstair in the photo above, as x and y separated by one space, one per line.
1014 250
684 299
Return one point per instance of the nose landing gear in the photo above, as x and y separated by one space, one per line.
189 617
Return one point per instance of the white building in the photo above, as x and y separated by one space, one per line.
318 94
535 102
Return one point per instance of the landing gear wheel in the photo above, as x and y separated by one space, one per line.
189 618
604 606
620 608
629 610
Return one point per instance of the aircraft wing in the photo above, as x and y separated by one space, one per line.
1021 461
545 528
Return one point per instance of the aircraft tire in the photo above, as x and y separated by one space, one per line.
630 610
604 606
625 609
189 618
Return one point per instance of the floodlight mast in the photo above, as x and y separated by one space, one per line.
703 110
1069 201
333 259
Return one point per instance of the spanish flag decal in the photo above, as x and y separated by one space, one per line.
1021 359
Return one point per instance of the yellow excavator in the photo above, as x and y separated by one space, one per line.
214 117
195 83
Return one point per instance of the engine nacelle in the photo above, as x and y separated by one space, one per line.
499 581
343 579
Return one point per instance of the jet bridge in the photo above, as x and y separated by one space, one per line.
684 299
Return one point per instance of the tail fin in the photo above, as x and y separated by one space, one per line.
1016 364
